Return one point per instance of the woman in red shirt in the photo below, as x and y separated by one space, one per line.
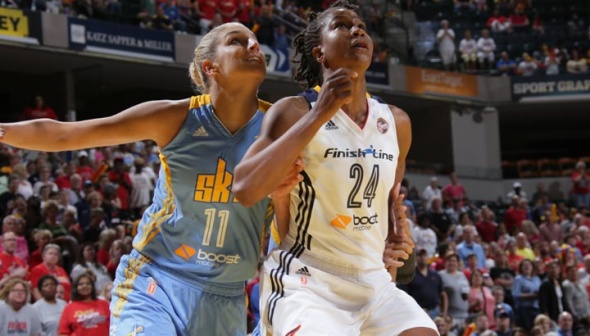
86 314
50 266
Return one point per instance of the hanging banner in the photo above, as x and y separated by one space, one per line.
20 26
121 40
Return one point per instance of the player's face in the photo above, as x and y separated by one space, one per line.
238 53
344 41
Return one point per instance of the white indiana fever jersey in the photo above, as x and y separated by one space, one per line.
339 212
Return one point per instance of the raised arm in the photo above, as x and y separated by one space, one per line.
289 126
155 120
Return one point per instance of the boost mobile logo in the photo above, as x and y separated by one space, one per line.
361 223
215 259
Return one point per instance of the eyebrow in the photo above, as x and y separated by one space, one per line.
236 32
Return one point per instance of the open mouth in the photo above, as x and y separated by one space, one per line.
360 45
254 59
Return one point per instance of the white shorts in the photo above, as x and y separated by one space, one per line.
304 300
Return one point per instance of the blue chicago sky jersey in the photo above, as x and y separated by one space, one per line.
195 225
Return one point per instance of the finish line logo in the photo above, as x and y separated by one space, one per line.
337 153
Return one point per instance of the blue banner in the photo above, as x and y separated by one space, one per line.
277 61
121 40
549 87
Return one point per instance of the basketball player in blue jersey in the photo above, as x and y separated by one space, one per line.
196 245
327 277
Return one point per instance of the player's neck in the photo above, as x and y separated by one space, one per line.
358 109
234 108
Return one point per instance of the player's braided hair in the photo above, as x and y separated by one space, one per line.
309 71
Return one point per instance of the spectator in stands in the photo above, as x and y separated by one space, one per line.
281 40
11 266
84 168
50 212
430 192
464 4
9 195
87 262
50 265
525 291
519 21
522 247
424 236
161 21
443 327
486 228
39 110
498 22
480 298
581 186
454 190
244 13
565 324
206 9
17 316
44 180
503 275
576 64
24 186
516 190
173 13
528 66
551 62
485 50
116 251
456 287
227 9
86 314
264 26
468 50
505 65
503 321
440 220
49 308
576 297
446 44
427 287
551 299
468 246
544 323
15 224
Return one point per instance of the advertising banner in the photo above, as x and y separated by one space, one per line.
277 61
121 40
378 73
20 26
549 87
429 81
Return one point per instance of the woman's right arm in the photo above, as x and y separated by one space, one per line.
155 120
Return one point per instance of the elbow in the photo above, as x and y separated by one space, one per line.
243 194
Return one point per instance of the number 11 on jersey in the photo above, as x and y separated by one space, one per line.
214 216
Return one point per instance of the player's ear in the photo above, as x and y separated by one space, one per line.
208 67
318 54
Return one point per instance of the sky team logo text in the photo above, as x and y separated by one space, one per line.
360 223
215 188
337 153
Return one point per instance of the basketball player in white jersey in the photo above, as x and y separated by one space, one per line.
327 277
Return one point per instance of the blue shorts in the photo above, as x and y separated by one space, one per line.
150 300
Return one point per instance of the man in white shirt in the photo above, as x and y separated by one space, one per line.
430 192
485 49
468 49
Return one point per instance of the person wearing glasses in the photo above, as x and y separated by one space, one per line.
17 316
